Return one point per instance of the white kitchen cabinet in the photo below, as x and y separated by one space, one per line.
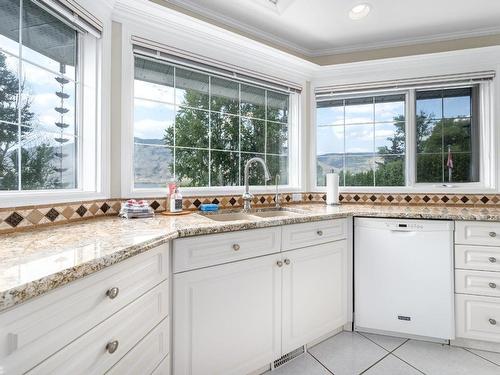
477 233
209 250
478 317
35 330
99 349
227 318
314 293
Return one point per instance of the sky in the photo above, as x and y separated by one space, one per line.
368 126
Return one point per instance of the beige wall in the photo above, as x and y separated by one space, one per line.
417 49
341 58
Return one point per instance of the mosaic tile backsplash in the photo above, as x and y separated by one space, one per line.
18 218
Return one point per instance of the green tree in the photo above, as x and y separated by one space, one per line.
192 129
36 167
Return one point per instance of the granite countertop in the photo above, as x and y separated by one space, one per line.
37 261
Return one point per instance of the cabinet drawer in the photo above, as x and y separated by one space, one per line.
477 282
477 233
31 332
477 257
477 317
300 235
203 251
147 355
89 355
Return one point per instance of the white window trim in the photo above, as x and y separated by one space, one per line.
127 150
92 113
488 174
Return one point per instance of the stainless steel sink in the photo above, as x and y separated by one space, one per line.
231 216
253 215
274 213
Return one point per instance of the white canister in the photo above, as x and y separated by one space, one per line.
332 188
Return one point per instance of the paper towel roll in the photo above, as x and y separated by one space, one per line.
332 188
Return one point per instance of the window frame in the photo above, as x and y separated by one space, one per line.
487 175
90 132
127 166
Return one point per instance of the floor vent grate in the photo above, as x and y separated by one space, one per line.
288 357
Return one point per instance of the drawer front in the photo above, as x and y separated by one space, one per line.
300 235
484 258
477 233
477 317
202 251
477 282
89 355
147 355
33 331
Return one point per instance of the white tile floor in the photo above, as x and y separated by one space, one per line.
352 353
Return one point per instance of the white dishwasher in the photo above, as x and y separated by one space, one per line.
403 277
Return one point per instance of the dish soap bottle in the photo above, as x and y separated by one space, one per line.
176 201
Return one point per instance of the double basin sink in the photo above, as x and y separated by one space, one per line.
254 215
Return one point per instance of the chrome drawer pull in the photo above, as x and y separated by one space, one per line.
492 259
112 346
493 234
492 285
279 263
493 322
319 232
112 292
236 247
287 261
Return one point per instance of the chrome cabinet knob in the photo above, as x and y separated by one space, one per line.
236 247
287 261
492 285
493 322
319 232
112 292
279 263
492 259
492 234
112 346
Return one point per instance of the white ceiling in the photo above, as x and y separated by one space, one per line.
323 27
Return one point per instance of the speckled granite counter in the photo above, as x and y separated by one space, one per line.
35 262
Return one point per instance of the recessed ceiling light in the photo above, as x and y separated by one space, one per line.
359 11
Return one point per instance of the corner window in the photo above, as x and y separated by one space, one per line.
200 129
38 75
383 141
41 88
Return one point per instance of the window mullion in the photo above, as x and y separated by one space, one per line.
209 130
411 139
19 105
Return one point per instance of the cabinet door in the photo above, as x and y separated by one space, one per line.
227 318
314 293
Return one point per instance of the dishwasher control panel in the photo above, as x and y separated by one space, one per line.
404 225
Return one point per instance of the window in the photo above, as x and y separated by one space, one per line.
365 138
447 136
38 74
42 83
200 129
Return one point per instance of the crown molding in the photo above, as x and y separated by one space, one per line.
408 41
241 26
189 5
179 26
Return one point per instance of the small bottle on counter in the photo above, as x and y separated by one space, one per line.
176 201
